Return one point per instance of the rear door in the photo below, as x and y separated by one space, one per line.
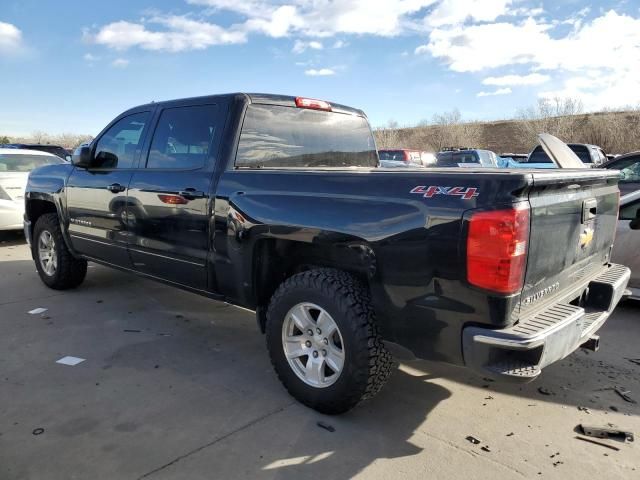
96 196
168 201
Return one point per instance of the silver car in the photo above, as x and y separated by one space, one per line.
627 244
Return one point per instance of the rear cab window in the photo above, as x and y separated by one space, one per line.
277 136
183 137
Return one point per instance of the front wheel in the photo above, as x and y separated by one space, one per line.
57 267
323 340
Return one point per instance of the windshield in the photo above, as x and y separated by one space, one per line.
279 136
11 162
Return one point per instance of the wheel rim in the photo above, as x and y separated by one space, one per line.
313 345
47 253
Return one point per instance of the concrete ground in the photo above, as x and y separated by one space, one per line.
178 386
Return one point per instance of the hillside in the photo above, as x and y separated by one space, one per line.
615 132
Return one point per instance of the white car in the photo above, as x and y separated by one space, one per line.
15 165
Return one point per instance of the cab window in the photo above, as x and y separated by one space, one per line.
118 146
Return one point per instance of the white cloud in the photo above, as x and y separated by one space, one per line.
90 57
10 38
302 18
517 80
120 63
300 46
178 34
499 91
321 72
339 44
452 12
598 61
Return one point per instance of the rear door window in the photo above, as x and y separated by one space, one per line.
279 136
183 137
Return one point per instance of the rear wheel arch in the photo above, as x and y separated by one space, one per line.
276 260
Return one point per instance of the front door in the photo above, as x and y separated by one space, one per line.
168 198
96 196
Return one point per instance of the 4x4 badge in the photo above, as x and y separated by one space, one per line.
466 193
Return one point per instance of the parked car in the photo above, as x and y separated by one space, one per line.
277 204
467 158
627 243
15 166
591 155
53 149
629 166
404 155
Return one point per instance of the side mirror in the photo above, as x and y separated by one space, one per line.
82 156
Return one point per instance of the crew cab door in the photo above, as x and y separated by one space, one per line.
168 200
96 196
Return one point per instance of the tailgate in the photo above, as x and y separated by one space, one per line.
573 221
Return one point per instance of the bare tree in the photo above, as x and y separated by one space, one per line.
389 136
556 116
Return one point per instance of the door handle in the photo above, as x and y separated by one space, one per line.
116 188
191 193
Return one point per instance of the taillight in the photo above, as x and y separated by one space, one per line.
497 249
407 157
313 104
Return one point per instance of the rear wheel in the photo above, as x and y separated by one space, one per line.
323 340
57 267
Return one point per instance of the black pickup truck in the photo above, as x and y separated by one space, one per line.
277 204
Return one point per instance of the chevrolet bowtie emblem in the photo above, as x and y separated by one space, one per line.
586 237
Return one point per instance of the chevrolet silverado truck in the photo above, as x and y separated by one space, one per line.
277 204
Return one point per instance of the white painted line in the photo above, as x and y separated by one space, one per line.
36 311
71 361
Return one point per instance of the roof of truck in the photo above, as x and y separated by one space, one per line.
260 98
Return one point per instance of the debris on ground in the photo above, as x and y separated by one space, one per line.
545 391
37 311
326 426
606 432
613 408
510 434
164 334
555 455
99 301
488 398
485 448
131 330
595 442
71 361
584 409
38 431
473 440
624 394
634 360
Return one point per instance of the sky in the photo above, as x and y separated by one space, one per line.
72 66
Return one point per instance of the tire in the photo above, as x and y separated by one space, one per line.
68 271
366 362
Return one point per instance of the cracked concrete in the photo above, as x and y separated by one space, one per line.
188 392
